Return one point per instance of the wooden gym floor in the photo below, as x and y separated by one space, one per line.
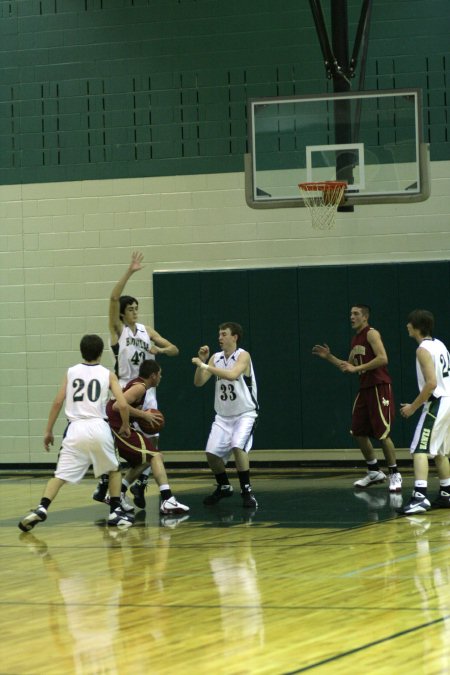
319 578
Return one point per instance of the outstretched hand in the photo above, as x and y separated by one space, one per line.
136 262
321 350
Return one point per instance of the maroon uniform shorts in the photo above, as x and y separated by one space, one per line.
135 449
373 412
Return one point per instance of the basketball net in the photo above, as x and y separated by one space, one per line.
323 198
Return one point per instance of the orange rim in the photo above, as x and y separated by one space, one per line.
326 185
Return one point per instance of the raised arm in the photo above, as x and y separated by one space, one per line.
115 325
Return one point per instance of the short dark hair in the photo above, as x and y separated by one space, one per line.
91 347
365 308
422 320
148 368
235 329
126 300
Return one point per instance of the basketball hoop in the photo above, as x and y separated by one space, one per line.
323 199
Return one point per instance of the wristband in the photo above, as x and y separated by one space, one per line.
205 366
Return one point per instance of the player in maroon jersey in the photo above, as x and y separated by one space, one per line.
138 449
373 410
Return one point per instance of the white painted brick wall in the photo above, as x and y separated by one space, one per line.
64 245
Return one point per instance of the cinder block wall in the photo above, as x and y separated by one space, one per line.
65 244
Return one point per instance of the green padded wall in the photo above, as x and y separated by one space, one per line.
94 89
305 402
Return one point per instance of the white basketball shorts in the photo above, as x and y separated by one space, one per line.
87 441
432 435
230 432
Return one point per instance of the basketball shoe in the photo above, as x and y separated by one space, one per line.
248 498
169 506
119 518
395 482
418 504
371 478
138 491
33 518
221 492
124 503
442 501
102 488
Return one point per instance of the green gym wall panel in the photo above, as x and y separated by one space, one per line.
184 406
304 401
273 344
207 55
326 394
224 297
442 149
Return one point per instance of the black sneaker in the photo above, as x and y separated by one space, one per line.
248 498
442 501
138 491
101 489
33 518
219 493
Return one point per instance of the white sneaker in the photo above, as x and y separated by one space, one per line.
125 504
395 482
371 478
172 506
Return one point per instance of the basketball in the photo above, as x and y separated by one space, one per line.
148 427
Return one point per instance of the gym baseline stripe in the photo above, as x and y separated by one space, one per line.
331 659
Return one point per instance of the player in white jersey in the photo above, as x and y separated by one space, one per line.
132 343
236 407
87 439
432 435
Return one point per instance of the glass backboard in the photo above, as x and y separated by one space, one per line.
372 140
